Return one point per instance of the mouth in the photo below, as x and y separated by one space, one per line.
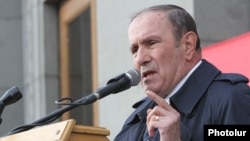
147 73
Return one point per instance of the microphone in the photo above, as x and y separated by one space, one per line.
10 96
115 85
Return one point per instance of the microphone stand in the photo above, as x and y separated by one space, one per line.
54 115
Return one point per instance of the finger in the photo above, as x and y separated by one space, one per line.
157 99
152 124
159 111
149 110
152 115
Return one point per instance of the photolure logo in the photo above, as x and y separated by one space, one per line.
213 132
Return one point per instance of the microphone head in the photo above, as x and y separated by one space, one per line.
11 96
134 76
120 83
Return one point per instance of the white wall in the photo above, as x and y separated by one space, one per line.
113 18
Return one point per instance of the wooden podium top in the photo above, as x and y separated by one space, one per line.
62 131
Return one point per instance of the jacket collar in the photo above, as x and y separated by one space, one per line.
140 112
194 88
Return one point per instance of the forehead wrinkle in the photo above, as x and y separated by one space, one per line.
135 39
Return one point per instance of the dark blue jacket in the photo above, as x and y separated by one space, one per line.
207 97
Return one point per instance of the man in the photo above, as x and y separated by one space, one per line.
184 91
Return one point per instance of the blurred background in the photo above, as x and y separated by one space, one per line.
52 49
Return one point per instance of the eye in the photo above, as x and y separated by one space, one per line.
134 49
151 42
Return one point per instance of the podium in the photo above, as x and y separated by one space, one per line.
61 131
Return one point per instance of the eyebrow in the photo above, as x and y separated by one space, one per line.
149 38
144 40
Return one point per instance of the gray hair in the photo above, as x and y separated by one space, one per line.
181 20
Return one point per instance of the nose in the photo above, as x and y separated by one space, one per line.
142 56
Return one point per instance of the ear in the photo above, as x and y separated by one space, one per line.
189 41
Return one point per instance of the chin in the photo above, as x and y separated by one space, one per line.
151 89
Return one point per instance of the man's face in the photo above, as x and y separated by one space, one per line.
156 53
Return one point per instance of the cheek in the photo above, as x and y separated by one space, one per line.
164 59
167 66
136 65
